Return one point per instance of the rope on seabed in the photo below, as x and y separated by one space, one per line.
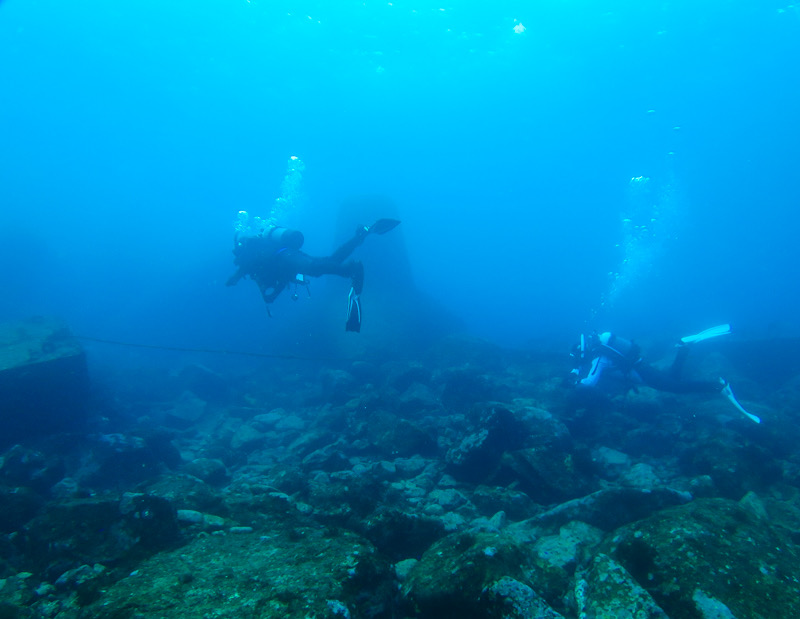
212 351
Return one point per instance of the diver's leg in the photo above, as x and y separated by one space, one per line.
665 381
353 269
356 273
348 247
315 267
676 368
658 379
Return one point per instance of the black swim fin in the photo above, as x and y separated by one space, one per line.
382 226
353 312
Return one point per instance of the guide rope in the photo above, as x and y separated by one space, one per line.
212 351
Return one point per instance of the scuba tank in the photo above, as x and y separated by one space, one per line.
623 350
285 238
250 251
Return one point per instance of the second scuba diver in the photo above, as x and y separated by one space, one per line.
608 362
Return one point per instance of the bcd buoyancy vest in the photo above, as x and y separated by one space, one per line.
624 352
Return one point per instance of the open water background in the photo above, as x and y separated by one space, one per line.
506 134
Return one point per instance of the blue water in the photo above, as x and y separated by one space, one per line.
507 135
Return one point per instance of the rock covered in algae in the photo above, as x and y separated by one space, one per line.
295 573
477 575
607 591
712 553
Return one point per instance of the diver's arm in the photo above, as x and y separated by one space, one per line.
599 364
234 279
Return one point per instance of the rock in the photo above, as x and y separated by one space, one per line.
556 557
338 386
417 399
189 516
151 519
709 607
610 462
67 488
405 375
490 500
90 531
267 421
285 575
16 596
290 423
386 469
717 547
446 481
511 599
754 505
606 589
547 474
246 438
641 476
76 532
85 580
365 372
240 530
329 458
119 461
479 454
21 466
702 487
452 575
403 568
17 507
610 508
186 492
398 534
736 466
408 467
212 522
44 382
209 470
186 410
464 388
449 498
498 520
543 428
407 440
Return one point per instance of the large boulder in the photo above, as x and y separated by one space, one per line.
44 383
294 573
478 575
607 590
712 554
97 530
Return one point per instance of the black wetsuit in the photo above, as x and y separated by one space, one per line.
273 267
670 380
610 367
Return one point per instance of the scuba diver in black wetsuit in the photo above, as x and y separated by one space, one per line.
274 261
607 362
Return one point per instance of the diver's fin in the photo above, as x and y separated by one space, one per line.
707 334
353 312
728 393
382 226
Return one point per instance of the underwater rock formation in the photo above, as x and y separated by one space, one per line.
44 382
359 490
